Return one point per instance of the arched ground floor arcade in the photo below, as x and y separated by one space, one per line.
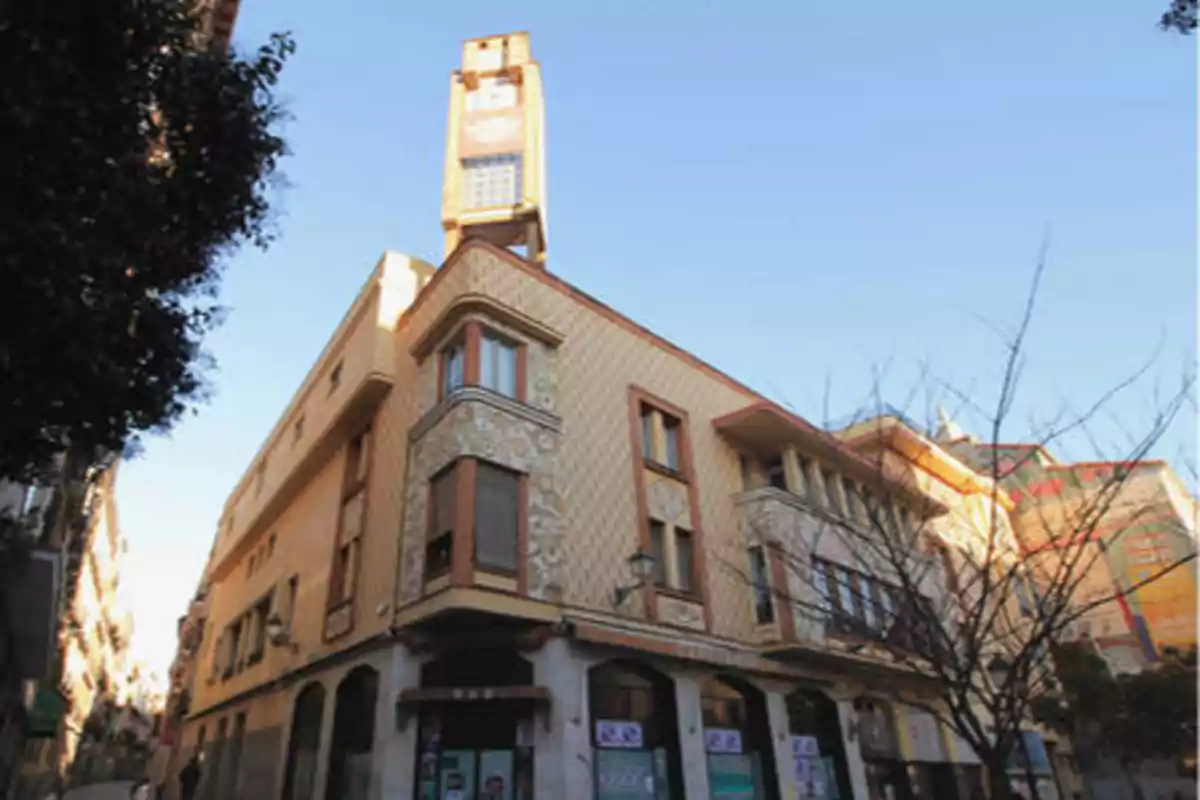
570 714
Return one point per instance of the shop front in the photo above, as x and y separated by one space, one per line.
1030 763
737 741
635 733
887 775
930 771
818 752
476 717
968 770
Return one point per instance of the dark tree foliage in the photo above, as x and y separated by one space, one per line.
133 159
1180 16
1150 714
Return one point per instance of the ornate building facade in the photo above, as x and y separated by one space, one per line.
506 542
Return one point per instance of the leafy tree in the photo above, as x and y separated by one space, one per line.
1149 714
133 159
1180 16
1158 710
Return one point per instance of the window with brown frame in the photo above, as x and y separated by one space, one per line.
671 433
289 602
862 605
760 582
498 358
668 451
674 557
233 645
345 563
357 466
258 628
497 493
480 356
684 563
452 367
351 517
658 551
439 543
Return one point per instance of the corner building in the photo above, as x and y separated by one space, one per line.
425 586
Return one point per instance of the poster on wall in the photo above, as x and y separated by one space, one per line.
496 774
805 747
731 777
457 775
722 740
815 778
618 734
624 775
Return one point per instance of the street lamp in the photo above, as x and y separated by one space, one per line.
998 669
278 634
641 566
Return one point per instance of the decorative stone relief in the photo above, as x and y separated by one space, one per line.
667 500
542 368
475 428
680 612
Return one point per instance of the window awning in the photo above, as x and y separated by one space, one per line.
410 700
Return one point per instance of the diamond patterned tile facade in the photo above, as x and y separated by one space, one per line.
592 371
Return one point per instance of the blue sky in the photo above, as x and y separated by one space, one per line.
801 193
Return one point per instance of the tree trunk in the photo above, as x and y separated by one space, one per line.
999 787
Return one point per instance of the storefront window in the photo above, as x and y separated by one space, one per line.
737 740
352 749
479 750
302 747
887 777
635 739
818 754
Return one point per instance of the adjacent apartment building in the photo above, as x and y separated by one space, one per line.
78 689
1127 522
506 542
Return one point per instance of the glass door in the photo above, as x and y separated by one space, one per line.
477 755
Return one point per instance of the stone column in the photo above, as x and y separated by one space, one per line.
691 736
855 766
562 762
781 742
792 473
328 715
395 749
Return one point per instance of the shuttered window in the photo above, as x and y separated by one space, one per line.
439 547
496 518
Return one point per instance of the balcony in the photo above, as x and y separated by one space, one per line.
804 542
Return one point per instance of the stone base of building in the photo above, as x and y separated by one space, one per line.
557 719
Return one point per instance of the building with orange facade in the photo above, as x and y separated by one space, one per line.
1130 527
497 545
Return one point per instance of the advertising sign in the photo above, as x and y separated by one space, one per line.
722 740
805 747
618 734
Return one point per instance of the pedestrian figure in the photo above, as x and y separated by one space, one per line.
189 777
56 789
